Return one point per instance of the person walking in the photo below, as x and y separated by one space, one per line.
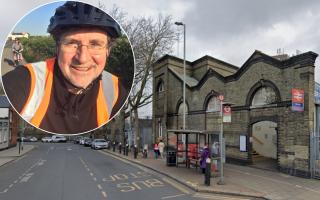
161 146
156 150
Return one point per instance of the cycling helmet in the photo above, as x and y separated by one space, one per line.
75 14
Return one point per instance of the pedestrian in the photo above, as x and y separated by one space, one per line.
17 49
156 150
161 148
71 93
204 156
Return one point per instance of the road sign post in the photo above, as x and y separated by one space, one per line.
221 181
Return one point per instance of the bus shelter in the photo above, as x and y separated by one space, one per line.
184 146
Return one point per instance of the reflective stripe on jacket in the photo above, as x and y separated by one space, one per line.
41 76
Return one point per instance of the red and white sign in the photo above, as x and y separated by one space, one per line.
221 97
297 100
226 113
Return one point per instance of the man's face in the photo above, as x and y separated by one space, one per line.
79 63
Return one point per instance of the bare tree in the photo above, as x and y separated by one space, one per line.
150 38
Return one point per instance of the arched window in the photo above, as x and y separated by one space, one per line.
180 109
160 87
264 96
213 104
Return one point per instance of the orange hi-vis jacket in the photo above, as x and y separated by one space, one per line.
38 100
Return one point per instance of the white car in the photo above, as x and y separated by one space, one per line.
99 144
58 138
46 139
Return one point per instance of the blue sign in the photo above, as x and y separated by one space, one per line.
297 106
317 93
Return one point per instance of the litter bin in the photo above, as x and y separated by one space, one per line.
171 158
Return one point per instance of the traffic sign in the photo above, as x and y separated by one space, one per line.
226 113
221 97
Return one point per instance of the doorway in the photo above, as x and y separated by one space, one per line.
264 145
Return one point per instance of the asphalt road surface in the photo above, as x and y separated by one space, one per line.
74 172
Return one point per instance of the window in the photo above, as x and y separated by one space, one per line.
264 96
180 110
160 87
160 127
213 104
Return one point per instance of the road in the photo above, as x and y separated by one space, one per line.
73 172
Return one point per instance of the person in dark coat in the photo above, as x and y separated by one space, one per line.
204 155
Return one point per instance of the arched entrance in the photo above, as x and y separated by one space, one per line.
264 145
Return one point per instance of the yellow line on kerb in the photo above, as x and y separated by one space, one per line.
177 186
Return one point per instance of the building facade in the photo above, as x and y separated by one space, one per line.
260 94
9 122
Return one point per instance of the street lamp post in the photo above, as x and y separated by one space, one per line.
184 72
184 83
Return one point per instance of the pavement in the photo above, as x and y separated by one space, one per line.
8 155
239 180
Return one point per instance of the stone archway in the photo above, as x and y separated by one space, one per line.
264 144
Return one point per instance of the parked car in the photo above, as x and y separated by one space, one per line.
81 141
77 140
87 142
58 138
99 144
33 139
46 139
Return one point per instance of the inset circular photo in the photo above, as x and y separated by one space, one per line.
67 67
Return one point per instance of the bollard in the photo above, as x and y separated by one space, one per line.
207 175
127 149
120 147
135 152
145 153
114 147
19 146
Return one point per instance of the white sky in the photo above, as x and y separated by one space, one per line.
230 30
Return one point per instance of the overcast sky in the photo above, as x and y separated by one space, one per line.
230 30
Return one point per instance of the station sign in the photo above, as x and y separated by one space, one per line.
297 100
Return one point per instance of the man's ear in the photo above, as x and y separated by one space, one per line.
108 52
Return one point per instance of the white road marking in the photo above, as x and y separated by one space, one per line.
173 196
99 186
104 194
10 186
91 174
176 186
26 178
94 178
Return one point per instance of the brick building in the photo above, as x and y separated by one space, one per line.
260 94
9 122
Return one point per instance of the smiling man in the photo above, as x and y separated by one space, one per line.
70 93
